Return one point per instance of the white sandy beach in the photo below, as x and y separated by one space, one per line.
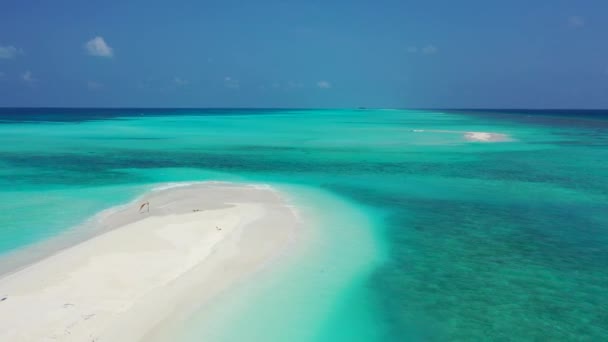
195 242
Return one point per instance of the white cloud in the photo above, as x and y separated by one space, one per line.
323 84
98 47
231 83
92 85
9 52
294 84
287 85
576 21
180 82
429 50
27 77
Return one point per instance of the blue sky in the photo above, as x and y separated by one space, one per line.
478 53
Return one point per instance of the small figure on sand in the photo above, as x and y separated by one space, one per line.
218 228
144 205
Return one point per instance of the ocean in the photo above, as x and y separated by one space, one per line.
422 234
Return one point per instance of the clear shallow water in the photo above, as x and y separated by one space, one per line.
462 241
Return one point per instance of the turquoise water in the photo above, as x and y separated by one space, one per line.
426 236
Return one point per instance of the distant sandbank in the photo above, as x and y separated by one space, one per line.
473 136
486 137
187 245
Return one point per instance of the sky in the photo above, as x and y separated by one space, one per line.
314 54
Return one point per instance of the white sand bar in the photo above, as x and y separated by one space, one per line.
486 137
472 136
195 242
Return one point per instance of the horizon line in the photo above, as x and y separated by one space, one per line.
304 108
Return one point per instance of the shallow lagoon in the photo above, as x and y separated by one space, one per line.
454 240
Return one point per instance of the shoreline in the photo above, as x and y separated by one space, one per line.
198 240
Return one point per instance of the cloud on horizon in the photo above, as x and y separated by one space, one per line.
288 85
294 85
9 52
99 48
324 84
